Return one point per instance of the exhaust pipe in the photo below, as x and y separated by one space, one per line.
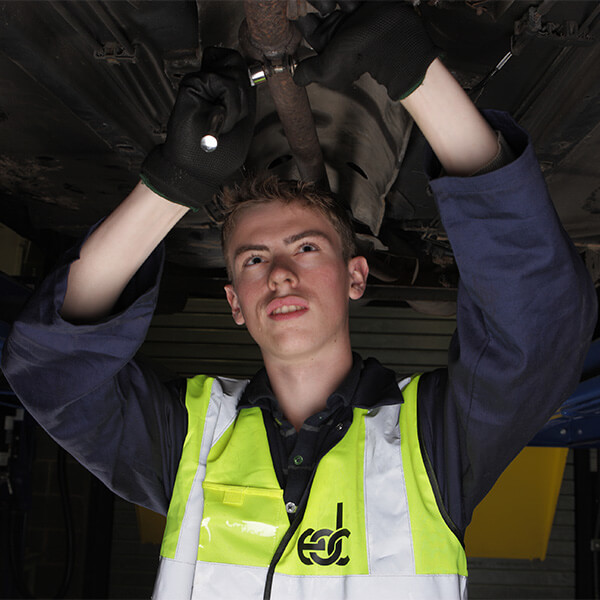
268 36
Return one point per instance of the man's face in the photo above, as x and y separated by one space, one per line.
291 284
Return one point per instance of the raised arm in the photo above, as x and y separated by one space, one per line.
69 354
460 137
176 176
114 252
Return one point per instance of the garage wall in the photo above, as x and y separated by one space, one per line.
204 339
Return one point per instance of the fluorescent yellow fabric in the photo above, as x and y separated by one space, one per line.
244 506
243 503
436 549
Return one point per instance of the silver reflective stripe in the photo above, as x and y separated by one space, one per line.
225 395
230 582
173 580
179 572
404 382
216 580
219 416
387 519
362 587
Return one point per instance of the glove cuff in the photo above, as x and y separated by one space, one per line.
411 80
175 184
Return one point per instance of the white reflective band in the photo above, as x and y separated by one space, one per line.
216 581
173 580
225 395
404 382
232 582
177 574
219 417
387 519
361 587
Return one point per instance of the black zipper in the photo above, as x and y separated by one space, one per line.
287 537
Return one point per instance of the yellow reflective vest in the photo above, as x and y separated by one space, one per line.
371 524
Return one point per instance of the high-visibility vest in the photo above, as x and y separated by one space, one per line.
371 524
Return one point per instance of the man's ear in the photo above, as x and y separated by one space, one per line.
236 309
358 268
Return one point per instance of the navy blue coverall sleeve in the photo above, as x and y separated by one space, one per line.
81 382
526 312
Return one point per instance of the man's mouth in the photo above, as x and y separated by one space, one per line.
283 310
286 307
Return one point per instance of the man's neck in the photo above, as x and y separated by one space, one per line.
303 387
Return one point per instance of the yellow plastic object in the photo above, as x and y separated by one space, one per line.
151 525
515 518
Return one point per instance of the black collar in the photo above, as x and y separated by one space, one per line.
368 384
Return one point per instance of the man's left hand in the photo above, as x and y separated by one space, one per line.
385 39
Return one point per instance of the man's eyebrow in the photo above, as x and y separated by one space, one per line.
249 248
304 234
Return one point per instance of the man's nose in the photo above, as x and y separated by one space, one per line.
282 273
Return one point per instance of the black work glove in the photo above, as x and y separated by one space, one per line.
179 170
328 6
385 39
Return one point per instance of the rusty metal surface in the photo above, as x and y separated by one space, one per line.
299 126
269 33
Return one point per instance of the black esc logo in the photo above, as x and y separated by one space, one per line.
324 547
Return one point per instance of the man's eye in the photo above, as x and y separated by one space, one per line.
253 260
308 248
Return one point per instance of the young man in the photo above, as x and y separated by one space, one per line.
322 477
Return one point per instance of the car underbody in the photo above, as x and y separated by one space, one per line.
86 89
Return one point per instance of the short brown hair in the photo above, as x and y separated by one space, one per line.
265 188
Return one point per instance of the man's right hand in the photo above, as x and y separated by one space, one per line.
180 170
